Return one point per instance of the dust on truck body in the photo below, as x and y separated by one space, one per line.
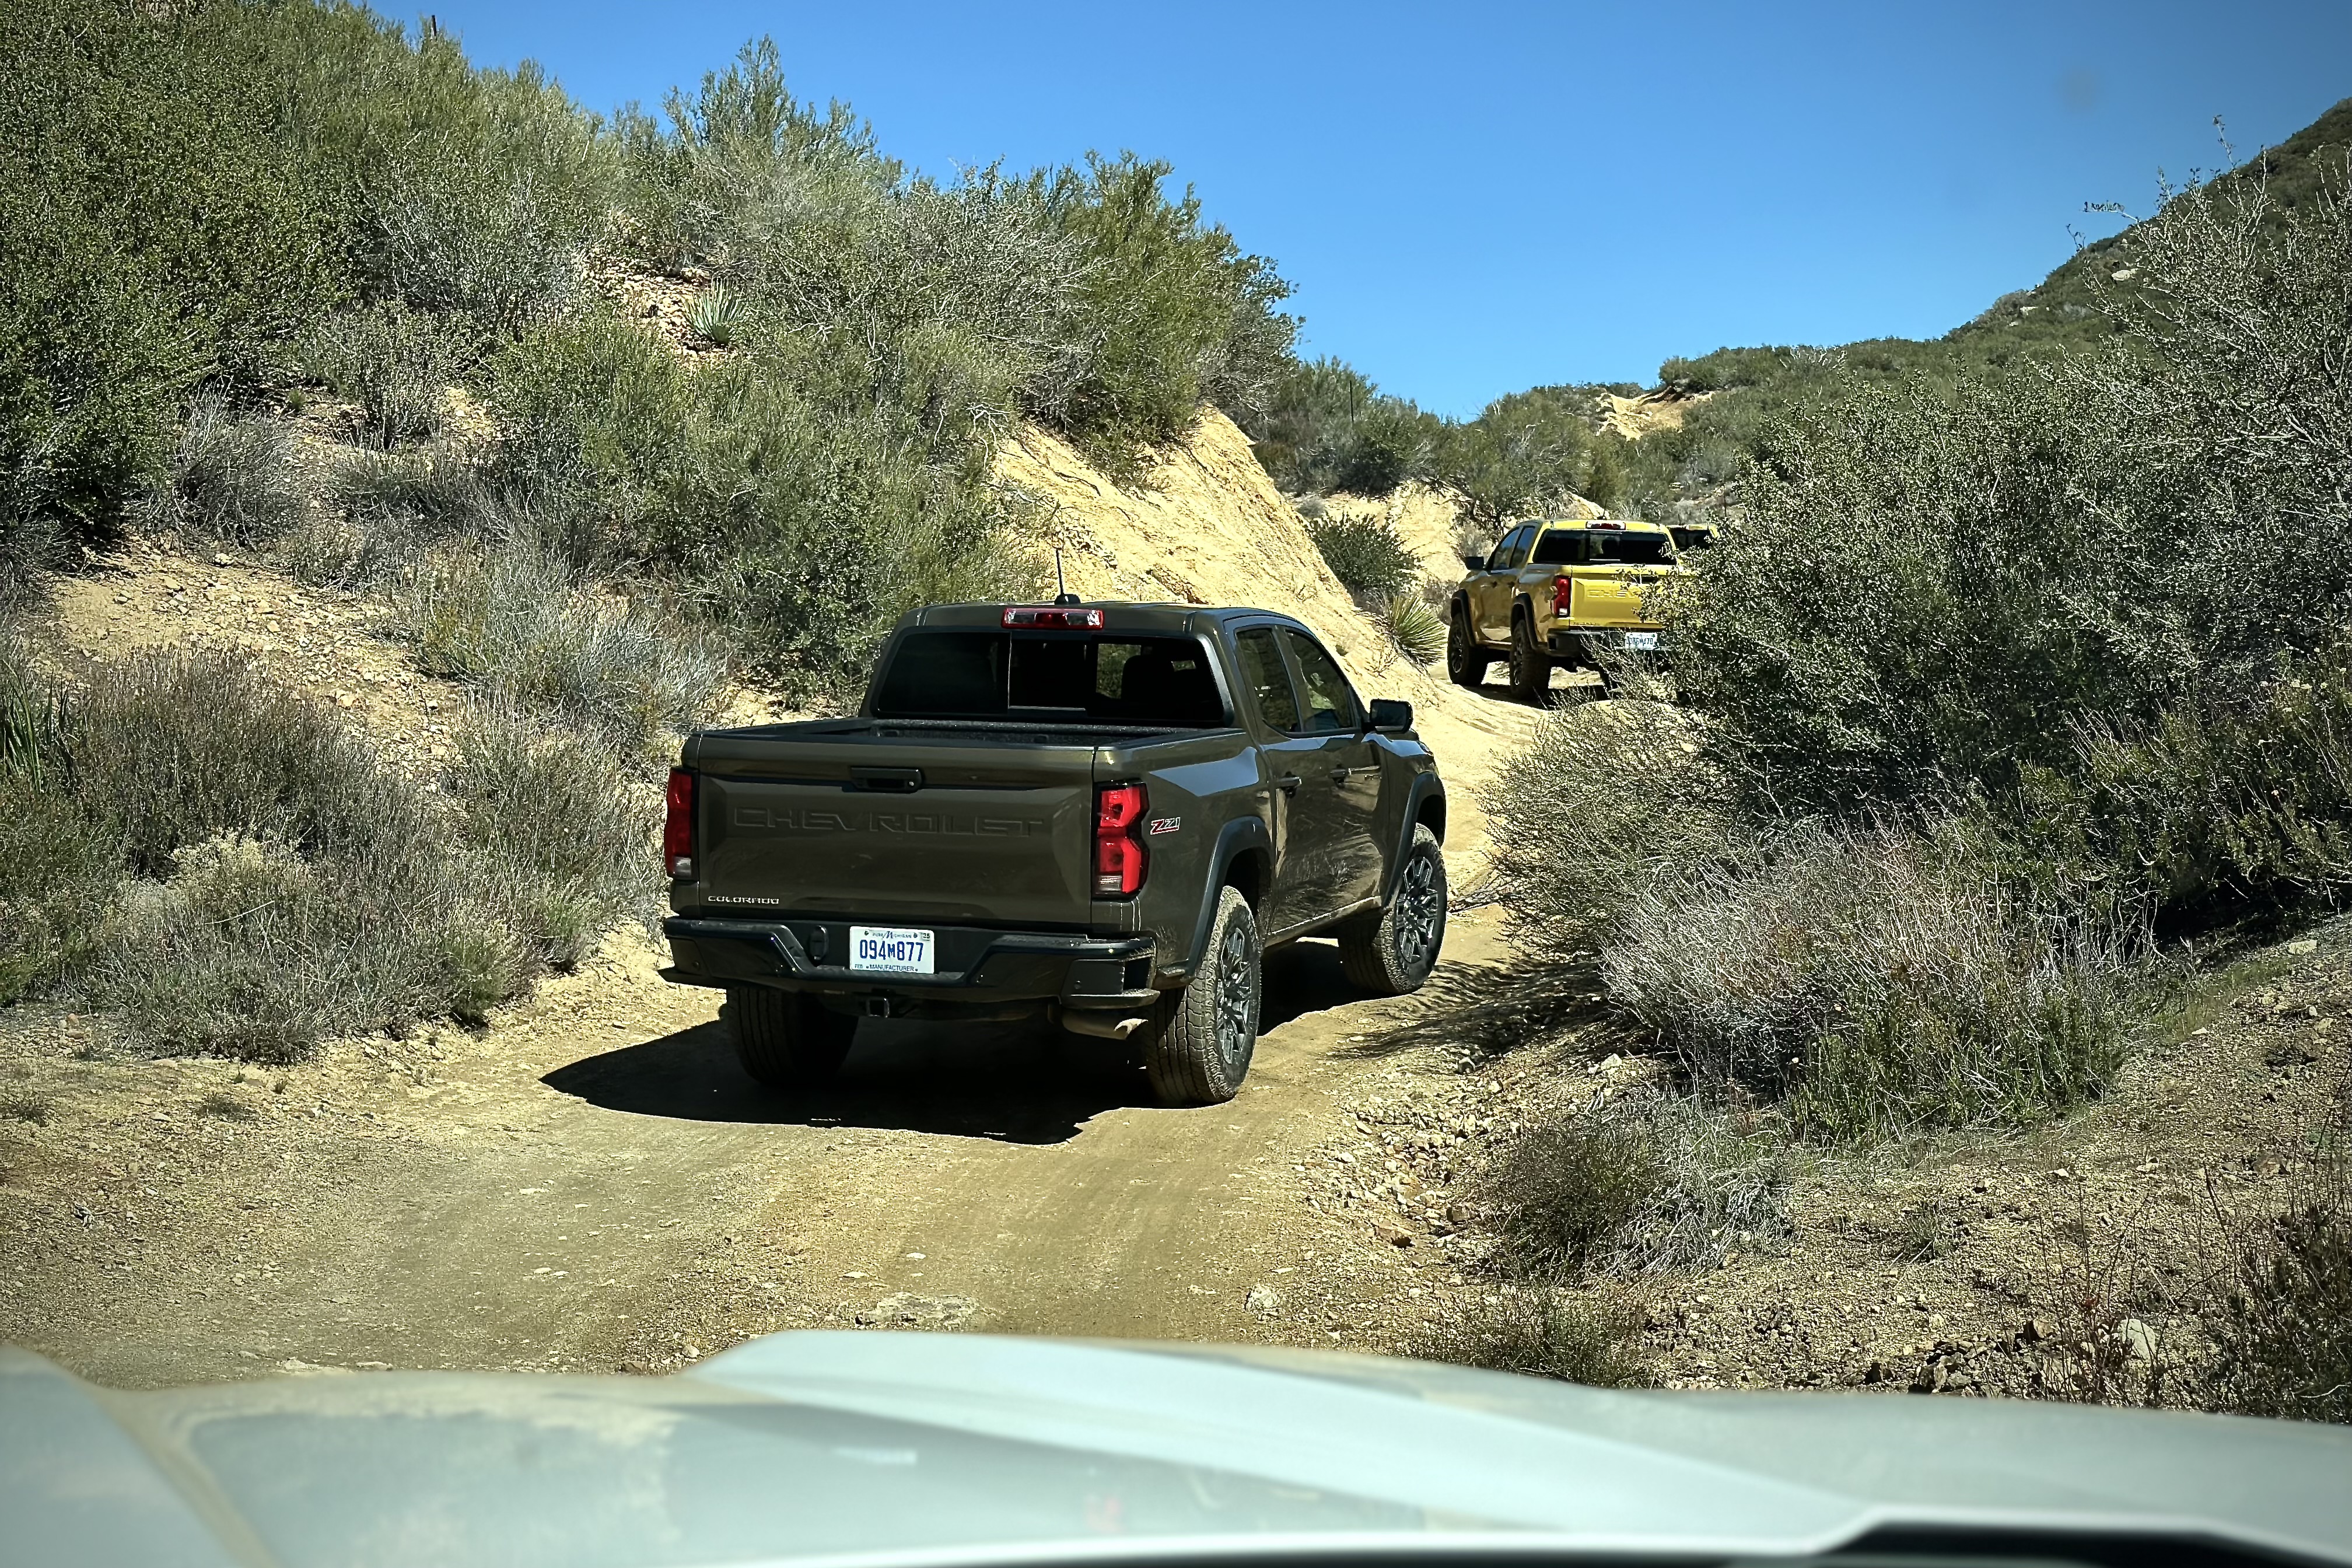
1102 814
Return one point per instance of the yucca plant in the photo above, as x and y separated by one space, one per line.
1417 630
716 315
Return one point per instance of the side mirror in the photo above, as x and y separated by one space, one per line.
1476 562
1390 717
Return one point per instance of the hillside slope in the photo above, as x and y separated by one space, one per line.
1213 529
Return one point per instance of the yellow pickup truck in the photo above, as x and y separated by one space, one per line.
1557 593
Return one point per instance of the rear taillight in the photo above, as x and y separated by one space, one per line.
677 824
1562 588
1120 860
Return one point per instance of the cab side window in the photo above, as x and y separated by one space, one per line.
1330 701
1265 680
1510 552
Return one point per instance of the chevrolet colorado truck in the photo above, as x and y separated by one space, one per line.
1556 593
1102 814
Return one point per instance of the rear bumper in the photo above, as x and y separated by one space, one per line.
1580 643
978 966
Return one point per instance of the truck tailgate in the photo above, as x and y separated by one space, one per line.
1608 599
918 831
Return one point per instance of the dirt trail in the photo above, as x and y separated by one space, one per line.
591 1183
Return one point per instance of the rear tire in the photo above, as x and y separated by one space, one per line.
1198 1045
1465 661
786 1039
1530 666
1394 952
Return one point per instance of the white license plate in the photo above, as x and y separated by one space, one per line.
889 949
1641 642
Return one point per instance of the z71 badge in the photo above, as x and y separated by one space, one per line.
1166 824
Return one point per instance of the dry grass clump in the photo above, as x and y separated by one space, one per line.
2282 1323
1546 1332
232 479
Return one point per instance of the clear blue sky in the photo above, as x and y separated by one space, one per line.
1472 198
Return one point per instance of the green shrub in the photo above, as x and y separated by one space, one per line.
1879 980
1934 586
155 235
2232 801
1325 428
800 510
1365 554
1525 453
1170 313
232 479
520 628
596 416
394 362
740 147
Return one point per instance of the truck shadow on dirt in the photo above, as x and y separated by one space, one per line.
1009 1083
1003 1083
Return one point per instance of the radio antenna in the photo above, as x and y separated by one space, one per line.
1062 594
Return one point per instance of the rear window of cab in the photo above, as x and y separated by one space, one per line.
1602 547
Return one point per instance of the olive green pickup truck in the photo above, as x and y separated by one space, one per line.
1557 593
1103 814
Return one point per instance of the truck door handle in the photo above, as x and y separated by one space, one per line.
1288 783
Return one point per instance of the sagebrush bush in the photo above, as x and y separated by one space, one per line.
1365 554
57 870
211 857
1880 980
165 750
232 479
1600 803
520 629
394 362
1634 1186
253 951
563 829
1544 1332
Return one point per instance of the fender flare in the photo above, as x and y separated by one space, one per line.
1236 839
1424 786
